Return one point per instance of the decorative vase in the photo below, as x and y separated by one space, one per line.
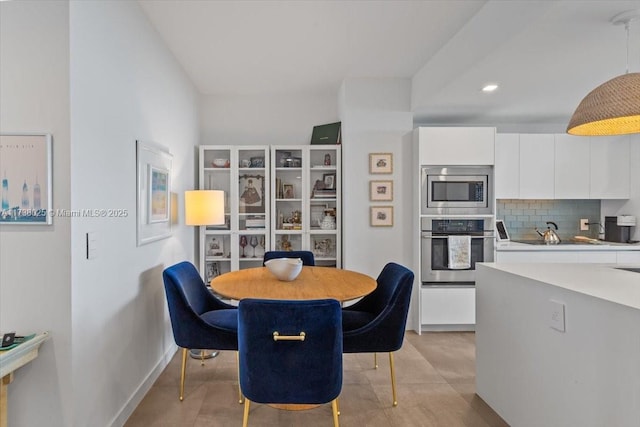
328 222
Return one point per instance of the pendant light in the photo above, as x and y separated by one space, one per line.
613 108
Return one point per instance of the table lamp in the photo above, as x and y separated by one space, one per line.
202 208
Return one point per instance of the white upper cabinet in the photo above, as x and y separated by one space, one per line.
507 169
610 167
572 160
537 166
456 145
560 166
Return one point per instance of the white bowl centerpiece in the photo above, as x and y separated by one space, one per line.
220 163
285 269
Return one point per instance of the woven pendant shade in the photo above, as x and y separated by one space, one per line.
613 108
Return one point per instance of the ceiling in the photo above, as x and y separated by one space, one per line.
545 55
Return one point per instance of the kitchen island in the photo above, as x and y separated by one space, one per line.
559 344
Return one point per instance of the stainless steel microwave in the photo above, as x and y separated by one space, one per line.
457 190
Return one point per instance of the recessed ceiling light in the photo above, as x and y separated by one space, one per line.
490 88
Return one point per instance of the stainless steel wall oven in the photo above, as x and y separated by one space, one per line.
436 266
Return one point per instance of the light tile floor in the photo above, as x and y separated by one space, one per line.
435 375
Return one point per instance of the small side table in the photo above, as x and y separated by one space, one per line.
13 359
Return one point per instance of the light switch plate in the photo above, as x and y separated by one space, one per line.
92 245
556 315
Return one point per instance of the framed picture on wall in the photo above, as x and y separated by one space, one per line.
25 170
381 191
380 163
153 192
381 216
158 203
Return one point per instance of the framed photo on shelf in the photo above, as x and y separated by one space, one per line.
380 191
212 270
251 193
380 163
153 192
381 216
288 191
329 181
215 247
25 164
317 213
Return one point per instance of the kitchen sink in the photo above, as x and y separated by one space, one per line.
632 269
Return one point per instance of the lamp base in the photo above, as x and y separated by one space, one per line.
201 354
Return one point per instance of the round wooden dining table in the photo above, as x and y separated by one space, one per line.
312 283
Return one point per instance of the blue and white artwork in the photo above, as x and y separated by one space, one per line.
25 169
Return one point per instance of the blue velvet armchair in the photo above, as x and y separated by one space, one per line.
290 352
377 322
306 256
198 318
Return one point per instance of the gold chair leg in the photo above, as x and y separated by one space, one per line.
334 406
245 419
202 357
393 380
240 397
375 360
338 405
182 372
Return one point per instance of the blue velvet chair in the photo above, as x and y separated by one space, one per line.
290 352
198 318
306 256
377 322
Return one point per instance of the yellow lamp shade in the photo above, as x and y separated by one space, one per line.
613 108
204 207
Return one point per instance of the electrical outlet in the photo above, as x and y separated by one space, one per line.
584 224
556 315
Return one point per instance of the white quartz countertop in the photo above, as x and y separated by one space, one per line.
605 246
604 281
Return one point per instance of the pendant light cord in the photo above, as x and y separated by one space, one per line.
626 27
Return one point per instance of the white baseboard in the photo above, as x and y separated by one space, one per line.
448 328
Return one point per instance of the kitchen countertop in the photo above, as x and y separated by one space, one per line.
604 246
603 281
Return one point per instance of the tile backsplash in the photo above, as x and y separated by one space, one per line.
522 217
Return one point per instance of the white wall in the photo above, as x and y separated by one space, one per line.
265 120
631 206
375 116
35 268
125 85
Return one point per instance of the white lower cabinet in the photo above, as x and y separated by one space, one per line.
447 306
608 257
552 256
628 257
536 256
